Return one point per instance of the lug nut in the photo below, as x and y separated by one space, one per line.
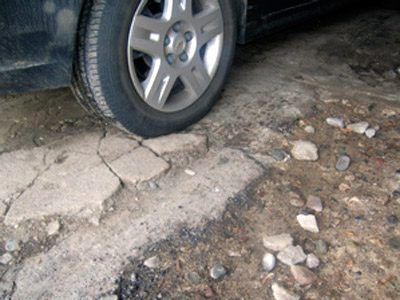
177 27
188 36
170 59
184 57
167 41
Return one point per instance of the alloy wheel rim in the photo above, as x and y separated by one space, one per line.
174 49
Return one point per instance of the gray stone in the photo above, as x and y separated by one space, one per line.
68 271
302 275
335 122
138 166
309 129
321 247
194 277
312 261
280 155
78 185
268 262
174 143
305 151
277 242
281 293
343 163
292 255
152 262
314 203
370 132
218 271
308 222
12 245
53 227
6 258
359 127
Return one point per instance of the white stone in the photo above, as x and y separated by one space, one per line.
335 122
268 262
53 227
277 242
152 262
309 129
370 133
359 127
308 222
6 258
281 293
315 203
190 172
312 261
292 255
138 166
305 150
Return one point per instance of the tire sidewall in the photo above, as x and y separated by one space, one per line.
115 82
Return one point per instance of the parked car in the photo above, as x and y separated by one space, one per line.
149 66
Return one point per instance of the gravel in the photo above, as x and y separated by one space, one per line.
152 262
280 155
305 151
218 271
12 245
292 255
308 222
312 261
268 262
302 275
277 242
335 122
53 227
343 163
6 258
359 127
314 203
281 293
321 247
370 133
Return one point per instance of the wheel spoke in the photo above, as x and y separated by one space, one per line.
158 86
209 24
146 45
151 25
175 8
196 79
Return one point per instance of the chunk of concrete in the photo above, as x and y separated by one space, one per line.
174 143
113 146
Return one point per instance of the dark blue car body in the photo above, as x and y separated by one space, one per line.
38 37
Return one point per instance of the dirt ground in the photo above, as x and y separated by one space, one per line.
214 199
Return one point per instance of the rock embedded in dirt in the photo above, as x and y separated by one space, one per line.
281 293
321 247
280 155
309 129
277 242
392 220
302 275
305 151
12 245
218 271
308 222
394 243
152 262
370 133
335 122
53 227
359 127
296 200
343 163
292 255
268 262
6 258
312 261
314 203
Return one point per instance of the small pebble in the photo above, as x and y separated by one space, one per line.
280 155
309 129
268 262
308 222
218 271
321 247
277 242
12 245
296 200
335 122
392 220
396 194
312 261
395 243
6 258
302 275
305 151
343 163
292 255
359 127
314 203
281 293
152 262
370 133
53 227
190 172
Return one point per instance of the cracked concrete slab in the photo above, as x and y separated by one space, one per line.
86 263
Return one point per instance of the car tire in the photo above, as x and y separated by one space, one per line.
118 79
